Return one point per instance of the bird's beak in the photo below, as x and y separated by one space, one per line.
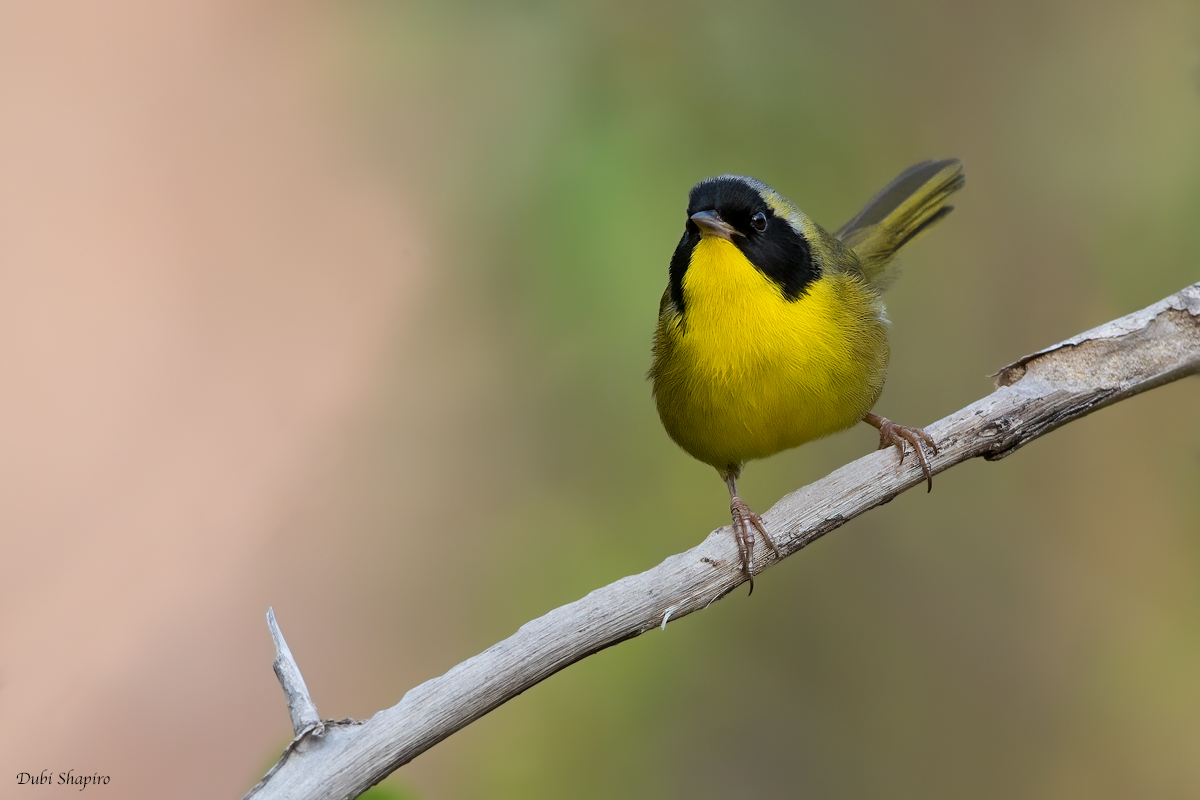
711 224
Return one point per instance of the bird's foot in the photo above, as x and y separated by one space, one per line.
891 434
745 523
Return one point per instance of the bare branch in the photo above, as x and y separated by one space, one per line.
1034 396
300 704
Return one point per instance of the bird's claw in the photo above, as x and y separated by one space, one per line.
745 523
891 434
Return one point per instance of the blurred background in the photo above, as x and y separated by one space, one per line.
346 309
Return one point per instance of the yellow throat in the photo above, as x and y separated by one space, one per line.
745 373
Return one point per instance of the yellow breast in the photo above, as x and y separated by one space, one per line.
744 373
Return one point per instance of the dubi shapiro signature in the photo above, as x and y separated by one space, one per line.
69 778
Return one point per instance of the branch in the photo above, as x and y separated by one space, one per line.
1034 396
300 704
305 720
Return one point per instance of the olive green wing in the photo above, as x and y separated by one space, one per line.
903 210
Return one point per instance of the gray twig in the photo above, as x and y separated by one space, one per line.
300 705
1034 396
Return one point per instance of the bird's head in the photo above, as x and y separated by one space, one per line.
761 223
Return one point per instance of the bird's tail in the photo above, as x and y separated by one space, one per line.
902 211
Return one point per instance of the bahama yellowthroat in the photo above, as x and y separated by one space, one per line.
772 333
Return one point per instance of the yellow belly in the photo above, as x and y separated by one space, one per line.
745 373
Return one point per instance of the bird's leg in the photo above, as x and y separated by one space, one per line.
745 523
892 434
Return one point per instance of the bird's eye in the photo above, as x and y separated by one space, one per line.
759 221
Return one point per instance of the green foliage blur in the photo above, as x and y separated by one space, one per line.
1029 629
383 791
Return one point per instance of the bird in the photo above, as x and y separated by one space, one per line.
772 331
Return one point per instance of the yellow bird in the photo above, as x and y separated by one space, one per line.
772 333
